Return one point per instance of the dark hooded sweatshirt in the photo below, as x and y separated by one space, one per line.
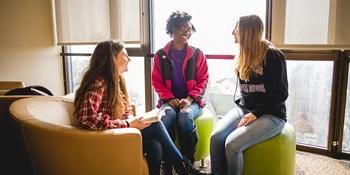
266 91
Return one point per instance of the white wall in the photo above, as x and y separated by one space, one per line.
27 44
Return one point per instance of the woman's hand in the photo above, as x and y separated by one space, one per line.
185 102
136 123
247 119
174 102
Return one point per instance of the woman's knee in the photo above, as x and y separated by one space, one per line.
232 147
185 123
157 127
170 117
217 138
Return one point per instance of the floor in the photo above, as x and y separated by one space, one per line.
312 164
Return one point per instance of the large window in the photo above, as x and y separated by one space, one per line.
314 75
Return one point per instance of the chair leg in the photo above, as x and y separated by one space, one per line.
203 164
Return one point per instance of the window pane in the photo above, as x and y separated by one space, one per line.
134 79
82 49
214 21
221 86
309 101
346 135
306 22
79 66
135 82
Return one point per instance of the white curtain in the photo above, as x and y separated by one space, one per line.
92 21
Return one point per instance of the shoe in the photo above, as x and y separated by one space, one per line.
181 169
191 169
167 168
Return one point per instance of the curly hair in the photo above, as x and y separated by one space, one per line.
175 19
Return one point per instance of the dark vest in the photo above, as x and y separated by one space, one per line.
167 68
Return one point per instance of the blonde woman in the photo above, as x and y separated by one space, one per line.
102 102
261 112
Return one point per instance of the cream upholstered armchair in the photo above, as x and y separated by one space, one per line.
57 147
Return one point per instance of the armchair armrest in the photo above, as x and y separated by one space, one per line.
69 150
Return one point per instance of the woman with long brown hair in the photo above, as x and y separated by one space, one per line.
261 112
102 102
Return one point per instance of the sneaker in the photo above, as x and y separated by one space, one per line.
167 169
191 169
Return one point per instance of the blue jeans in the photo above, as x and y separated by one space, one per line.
184 120
156 144
228 142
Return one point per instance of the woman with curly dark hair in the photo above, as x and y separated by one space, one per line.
180 77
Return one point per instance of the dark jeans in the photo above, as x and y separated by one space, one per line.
156 144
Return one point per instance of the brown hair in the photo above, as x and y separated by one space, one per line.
102 64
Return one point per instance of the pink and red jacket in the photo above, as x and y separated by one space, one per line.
195 71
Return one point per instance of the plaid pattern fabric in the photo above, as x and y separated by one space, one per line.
94 113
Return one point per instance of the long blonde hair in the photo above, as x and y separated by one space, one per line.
252 47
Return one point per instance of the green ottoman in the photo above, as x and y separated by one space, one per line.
275 156
205 125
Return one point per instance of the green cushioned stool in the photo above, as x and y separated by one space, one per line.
275 156
205 125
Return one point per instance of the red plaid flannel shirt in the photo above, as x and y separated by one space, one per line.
94 113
